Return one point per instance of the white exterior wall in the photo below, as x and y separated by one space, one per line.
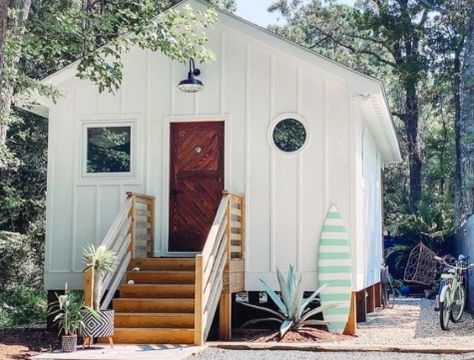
368 208
248 86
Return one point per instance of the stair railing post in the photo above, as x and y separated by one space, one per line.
225 308
133 224
151 230
198 306
88 295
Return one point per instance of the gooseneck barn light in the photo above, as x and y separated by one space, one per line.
191 84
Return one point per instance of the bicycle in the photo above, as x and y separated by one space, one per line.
452 298
387 287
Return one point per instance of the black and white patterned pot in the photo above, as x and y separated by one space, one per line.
69 343
98 324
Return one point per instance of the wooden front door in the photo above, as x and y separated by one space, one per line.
196 182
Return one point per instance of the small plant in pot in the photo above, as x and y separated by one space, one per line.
97 322
68 318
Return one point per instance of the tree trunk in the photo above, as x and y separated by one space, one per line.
8 72
467 122
458 202
411 128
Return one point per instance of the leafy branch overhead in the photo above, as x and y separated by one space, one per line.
101 33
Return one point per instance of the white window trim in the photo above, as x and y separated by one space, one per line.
274 123
87 123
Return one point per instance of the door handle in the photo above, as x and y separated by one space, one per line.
174 192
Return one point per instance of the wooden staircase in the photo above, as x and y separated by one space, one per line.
171 300
159 307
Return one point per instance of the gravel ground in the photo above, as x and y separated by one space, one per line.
219 354
413 322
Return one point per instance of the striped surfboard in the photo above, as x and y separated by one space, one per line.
335 269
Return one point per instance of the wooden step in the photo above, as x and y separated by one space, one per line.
164 264
157 291
152 336
154 320
161 277
140 305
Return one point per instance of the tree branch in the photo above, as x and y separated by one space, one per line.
352 48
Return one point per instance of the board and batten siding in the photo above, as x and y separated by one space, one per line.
248 86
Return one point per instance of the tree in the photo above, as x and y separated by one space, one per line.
467 121
13 14
390 33
97 32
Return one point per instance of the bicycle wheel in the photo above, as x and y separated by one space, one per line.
457 308
390 296
385 295
444 311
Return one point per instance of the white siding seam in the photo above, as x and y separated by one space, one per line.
97 212
146 126
50 189
172 88
77 125
222 107
272 167
248 56
299 176
325 144
120 96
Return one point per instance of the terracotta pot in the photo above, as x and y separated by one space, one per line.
69 343
100 324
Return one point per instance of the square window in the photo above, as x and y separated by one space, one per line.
108 149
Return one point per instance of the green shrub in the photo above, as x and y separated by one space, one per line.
20 261
22 305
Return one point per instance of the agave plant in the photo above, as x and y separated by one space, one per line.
102 261
293 311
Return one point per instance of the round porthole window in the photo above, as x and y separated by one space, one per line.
289 135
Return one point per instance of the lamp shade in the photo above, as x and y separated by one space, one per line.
191 84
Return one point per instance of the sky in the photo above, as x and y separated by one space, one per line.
256 11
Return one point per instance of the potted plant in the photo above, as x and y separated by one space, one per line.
97 322
68 318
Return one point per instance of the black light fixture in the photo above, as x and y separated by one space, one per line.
191 84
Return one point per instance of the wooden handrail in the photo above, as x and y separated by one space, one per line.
224 242
123 237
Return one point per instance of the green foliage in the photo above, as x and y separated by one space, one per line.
100 33
108 149
19 262
293 310
22 305
67 310
102 261
414 47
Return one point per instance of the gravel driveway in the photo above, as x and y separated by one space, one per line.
219 354
412 323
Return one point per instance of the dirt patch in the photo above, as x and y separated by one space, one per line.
23 344
304 334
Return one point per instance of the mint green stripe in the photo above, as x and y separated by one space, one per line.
341 283
337 311
334 242
335 297
335 269
334 256
334 228
336 324
333 215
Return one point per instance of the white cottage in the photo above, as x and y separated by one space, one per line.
286 132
